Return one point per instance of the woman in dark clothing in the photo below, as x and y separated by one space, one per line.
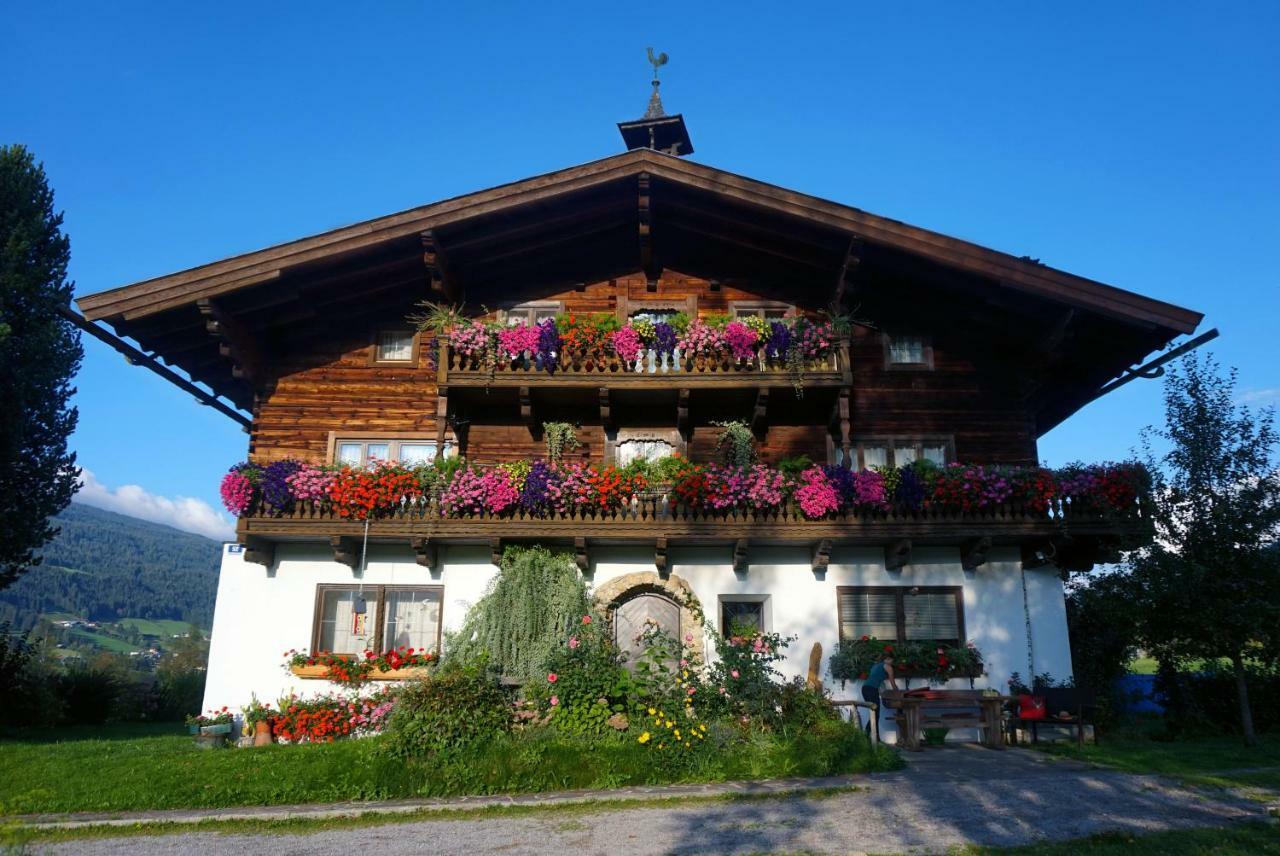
880 672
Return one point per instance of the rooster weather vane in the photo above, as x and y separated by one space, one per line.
655 110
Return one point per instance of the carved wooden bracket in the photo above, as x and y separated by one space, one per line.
846 280
682 415
760 416
660 557
495 551
443 281
526 412
842 427
821 556
898 554
442 416
235 341
606 409
974 552
580 556
259 552
346 550
425 551
740 556
1038 554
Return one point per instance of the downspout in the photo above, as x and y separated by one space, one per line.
1026 611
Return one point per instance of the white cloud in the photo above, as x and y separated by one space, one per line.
183 512
1259 396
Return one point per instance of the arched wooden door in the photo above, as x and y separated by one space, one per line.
634 611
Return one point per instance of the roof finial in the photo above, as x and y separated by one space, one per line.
655 110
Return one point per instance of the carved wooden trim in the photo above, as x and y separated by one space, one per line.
606 409
898 554
495 551
580 555
426 552
843 427
973 552
821 556
652 270
235 342
740 555
442 279
345 550
259 551
846 280
660 557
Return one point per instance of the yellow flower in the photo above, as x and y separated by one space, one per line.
703 726
670 723
677 733
652 711
643 738
684 674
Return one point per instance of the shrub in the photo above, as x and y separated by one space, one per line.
1206 700
455 708
523 617
584 687
89 694
743 682
804 708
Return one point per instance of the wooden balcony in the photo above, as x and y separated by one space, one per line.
1068 537
605 369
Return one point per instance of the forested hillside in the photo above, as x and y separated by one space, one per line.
105 566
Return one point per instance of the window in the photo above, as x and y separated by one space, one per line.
359 450
742 612
639 449
534 312
395 346
907 351
354 619
901 613
768 310
899 451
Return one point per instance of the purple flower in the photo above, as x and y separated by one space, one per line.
535 498
664 338
276 495
548 343
779 341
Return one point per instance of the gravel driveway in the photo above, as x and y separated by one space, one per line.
946 797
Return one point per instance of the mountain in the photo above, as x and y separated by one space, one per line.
104 566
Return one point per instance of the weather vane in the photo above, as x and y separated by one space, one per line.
657 62
655 110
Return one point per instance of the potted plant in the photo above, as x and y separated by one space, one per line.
257 721
211 729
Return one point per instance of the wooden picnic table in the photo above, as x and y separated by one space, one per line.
945 709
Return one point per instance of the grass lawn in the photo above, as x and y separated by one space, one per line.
1245 840
1215 761
162 627
128 768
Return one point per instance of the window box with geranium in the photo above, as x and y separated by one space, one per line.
399 664
936 661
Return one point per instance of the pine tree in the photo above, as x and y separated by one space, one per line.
39 354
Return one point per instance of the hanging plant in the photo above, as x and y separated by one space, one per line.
737 445
560 437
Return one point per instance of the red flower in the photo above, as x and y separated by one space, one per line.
552 677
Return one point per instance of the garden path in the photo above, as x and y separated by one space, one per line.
946 797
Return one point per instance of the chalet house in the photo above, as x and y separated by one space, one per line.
958 354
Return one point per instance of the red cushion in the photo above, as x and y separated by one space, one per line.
1031 707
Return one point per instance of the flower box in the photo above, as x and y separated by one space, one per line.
321 673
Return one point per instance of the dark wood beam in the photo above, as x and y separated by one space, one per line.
683 425
1037 554
821 556
606 409
526 412
259 551
660 557
463 245
847 279
734 240
580 556
444 281
138 358
842 428
495 551
740 556
652 270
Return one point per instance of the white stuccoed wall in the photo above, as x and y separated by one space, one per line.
260 614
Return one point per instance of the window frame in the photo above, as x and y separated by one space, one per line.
628 307
416 348
759 307
900 592
380 592
766 610
886 339
891 441
528 311
392 438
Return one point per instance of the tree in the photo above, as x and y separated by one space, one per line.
1209 587
39 354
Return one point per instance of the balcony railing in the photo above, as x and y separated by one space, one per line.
602 366
654 516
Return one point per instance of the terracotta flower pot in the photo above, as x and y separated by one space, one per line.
262 733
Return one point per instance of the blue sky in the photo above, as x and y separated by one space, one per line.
1133 143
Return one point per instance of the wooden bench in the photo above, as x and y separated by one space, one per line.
917 711
1077 702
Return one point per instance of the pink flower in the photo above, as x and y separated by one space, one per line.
574 643
552 677
684 664
555 700
691 690
518 338
734 673
586 619
237 493
627 343
723 691
741 340
816 495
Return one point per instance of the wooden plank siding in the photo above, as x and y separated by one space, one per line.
320 384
